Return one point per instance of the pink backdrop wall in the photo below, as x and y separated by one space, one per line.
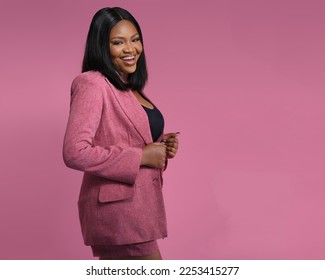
242 80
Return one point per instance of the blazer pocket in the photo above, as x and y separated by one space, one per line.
115 192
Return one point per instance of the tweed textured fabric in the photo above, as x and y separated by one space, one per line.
120 200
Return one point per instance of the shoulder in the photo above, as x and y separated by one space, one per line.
89 79
93 81
89 86
93 85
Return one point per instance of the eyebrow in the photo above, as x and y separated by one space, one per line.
121 37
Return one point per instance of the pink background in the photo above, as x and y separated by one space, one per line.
242 80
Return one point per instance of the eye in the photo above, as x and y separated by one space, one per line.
136 40
117 43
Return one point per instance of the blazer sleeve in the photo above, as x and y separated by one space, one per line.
79 152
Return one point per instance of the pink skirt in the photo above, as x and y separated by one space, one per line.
116 251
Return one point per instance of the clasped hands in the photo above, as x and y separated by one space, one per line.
156 154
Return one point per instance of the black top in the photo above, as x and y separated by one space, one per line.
156 121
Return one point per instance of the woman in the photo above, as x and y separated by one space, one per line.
115 135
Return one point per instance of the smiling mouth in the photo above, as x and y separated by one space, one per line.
128 58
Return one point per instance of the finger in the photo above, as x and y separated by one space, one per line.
160 144
171 149
170 155
172 145
171 140
171 134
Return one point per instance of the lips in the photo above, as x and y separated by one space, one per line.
128 60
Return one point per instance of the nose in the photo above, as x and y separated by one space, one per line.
128 48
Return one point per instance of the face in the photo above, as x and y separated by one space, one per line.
125 47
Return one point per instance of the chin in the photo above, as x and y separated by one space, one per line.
129 71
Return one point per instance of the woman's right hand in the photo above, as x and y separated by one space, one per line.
154 155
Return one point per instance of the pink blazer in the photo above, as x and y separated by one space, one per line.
120 201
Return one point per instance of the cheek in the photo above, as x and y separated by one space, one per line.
113 52
114 60
114 56
139 48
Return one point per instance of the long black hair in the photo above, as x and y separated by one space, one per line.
97 54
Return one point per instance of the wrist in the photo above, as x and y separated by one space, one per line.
144 158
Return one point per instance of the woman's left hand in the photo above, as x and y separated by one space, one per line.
171 142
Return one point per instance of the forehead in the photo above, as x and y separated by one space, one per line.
123 28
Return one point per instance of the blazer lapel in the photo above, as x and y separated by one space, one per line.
136 114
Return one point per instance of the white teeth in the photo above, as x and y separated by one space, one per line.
128 58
